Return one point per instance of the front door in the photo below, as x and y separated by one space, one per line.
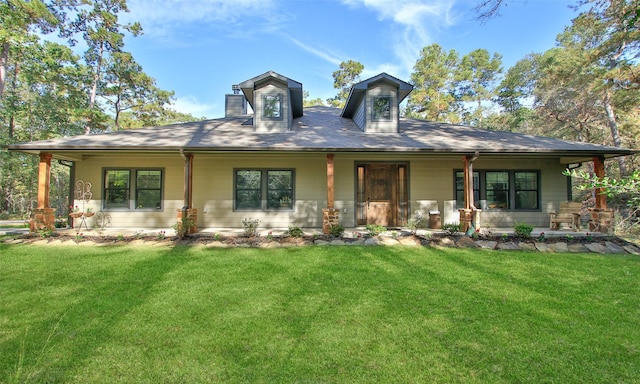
381 194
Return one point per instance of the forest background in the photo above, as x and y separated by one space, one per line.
586 88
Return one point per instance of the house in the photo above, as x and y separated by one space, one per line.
316 167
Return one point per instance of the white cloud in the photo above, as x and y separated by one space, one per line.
158 17
326 56
418 20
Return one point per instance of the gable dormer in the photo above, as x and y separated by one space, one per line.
275 99
374 104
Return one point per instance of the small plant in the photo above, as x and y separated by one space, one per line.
541 237
336 230
414 221
294 232
569 237
375 229
451 228
505 236
589 237
183 226
270 236
394 234
45 233
120 237
217 236
250 226
79 235
161 235
475 235
523 230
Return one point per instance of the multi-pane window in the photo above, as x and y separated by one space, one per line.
264 189
506 190
460 188
382 108
132 189
272 106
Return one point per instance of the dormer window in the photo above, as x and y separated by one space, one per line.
382 108
272 107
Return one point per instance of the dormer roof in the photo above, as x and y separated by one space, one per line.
295 89
359 90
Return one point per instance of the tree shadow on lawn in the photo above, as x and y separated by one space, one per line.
56 347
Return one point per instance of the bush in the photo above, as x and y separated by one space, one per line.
294 232
375 229
523 230
250 226
451 228
336 230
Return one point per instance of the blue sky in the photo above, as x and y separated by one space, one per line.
199 48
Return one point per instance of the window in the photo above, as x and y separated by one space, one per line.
272 107
132 189
382 108
504 190
264 189
460 188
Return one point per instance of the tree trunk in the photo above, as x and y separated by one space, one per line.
613 127
94 90
4 62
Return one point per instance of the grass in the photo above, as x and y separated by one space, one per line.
316 314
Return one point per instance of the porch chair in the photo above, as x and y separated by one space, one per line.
569 213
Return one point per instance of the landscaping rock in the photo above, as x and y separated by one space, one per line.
389 241
466 242
322 242
409 241
269 244
372 241
543 247
559 247
446 242
487 244
598 248
337 242
578 248
613 247
526 246
632 249
508 246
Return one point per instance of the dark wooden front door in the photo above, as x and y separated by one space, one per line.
381 191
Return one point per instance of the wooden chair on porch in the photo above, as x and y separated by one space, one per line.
569 213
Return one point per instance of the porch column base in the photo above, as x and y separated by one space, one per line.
42 219
601 220
330 218
191 214
469 220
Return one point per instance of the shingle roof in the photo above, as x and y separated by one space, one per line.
320 129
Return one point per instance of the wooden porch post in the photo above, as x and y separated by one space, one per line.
598 167
44 180
43 217
187 210
330 182
330 215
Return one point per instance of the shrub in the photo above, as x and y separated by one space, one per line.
294 232
336 230
250 226
523 230
414 221
375 229
451 228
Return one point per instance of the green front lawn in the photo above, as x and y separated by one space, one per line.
316 314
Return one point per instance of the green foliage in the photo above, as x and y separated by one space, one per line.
343 79
336 230
375 229
523 230
250 226
451 228
294 232
415 221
